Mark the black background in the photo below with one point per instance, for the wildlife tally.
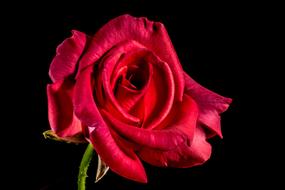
(216, 44)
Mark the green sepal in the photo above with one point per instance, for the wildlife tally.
(77, 139)
(102, 169)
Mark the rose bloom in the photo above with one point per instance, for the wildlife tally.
(124, 89)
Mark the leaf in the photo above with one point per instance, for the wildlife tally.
(77, 139)
(102, 169)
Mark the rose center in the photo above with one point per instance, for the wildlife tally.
(133, 76)
(137, 75)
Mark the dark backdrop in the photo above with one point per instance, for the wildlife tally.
(215, 46)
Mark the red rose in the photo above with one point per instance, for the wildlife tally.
(125, 90)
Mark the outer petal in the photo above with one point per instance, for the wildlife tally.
(127, 165)
(152, 35)
(180, 128)
(184, 156)
(67, 56)
(60, 109)
(159, 139)
(210, 105)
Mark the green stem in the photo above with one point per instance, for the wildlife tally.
(87, 157)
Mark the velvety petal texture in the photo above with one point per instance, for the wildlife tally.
(184, 156)
(125, 91)
(67, 56)
(125, 164)
(210, 105)
(60, 109)
(152, 35)
(188, 153)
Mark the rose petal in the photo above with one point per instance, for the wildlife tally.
(180, 128)
(210, 105)
(118, 161)
(134, 81)
(100, 136)
(60, 109)
(160, 139)
(105, 72)
(182, 157)
(157, 80)
(152, 35)
(128, 147)
(67, 56)
(159, 96)
(128, 97)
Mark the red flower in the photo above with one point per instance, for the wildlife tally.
(125, 90)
